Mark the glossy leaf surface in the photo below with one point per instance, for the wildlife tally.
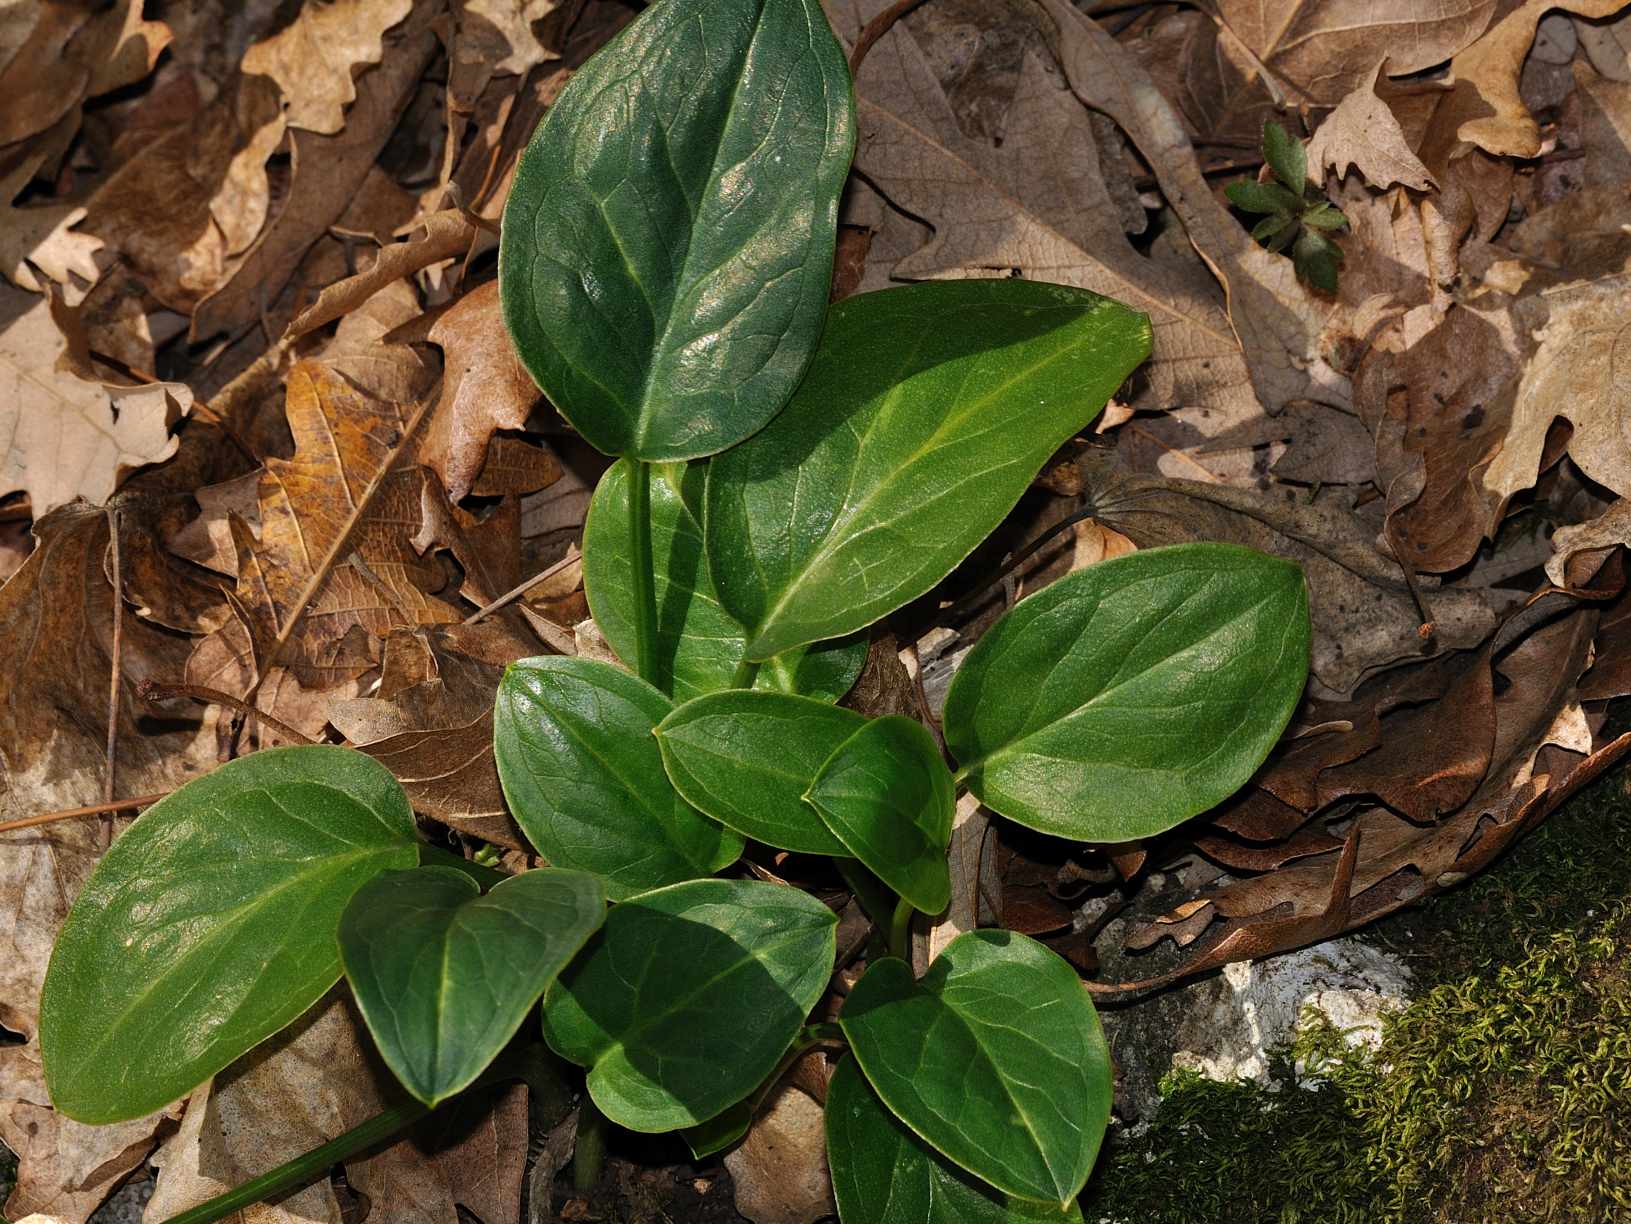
(699, 643)
(1129, 696)
(924, 417)
(686, 998)
(746, 759)
(995, 1058)
(210, 924)
(667, 247)
(884, 1174)
(585, 781)
(445, 975)
(886, 794)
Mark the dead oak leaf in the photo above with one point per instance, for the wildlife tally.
(63, 436)
(500, 38)
(40, 241)
(312, 57)
(1364, 132)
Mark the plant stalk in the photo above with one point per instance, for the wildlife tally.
(306, 1167)
(640, 559)
(590, 1151)
(747, 671)
(900, 931)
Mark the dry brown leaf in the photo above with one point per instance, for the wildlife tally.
(64, 436)
(780, 1168)
(502, 37)
(40, 240)
(312, 57)
(485, 388)
(328, 171)
(1208, 74)
(1607, 45)
(1605, 127)
(1485, 104)
(1363, 132)
(1323, 50)
(1580, 549)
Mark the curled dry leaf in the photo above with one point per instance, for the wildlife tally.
(39, 241)
(1364, 132)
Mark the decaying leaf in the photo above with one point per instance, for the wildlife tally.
(1364, 133)
(780, 1168)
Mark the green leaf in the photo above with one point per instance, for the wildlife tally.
(1325, 216)
(1268, 227)
(1255, 197)
(585, 781)
(884, 1174)
(1316, 259)
(699, 643)
(886, 794)
(667, 247)
(210, 924)
(687, 997)
(1129, 696)
(746, 759)
(445, 976)
(1286, 157)
(995, 1058)
(718, 1132)
(925, 415)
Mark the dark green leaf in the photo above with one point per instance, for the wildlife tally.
(1326, 217)
(688, 996)
(995, 1059)
(718, 1132)
(746, 759)
(210, 924)
(1316, 259)
(1255, 197)
(886, 794)
(667, 246)
(927, 412)
(1281, 240)
(584, 780)
(1268, 227)
(884, 1174)
(699, 644)
(445, 976)
(1286, 157)
(1134, 694)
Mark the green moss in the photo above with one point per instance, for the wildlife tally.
(1502, 1092)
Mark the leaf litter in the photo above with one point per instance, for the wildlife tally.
(262, 422)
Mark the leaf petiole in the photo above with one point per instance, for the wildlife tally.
(747, 671)
(640, 556)
(900, 931)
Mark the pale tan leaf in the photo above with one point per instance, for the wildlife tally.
(312, 57)
(1593, 538)
(1607, 45)
(780, 1168)
(41, 239)
(1363, 132)
(60, 437)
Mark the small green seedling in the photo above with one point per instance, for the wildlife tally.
(785, 476)
(1296, 214)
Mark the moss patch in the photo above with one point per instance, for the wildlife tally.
(1501, 1093)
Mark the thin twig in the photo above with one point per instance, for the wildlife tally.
(117, 652)
(516, 592)
(152, 690)
(315, 583)
(876, 29)
(94, 809)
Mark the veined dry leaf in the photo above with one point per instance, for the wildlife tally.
(40, 240)
(328, 171)
(1024, 206)
(1608, 45)
(66, 437)
(1323, 50)
(485, 388)
(312, 57)
(1208, 74)
(1363, 132)
(1605, 127)
(1485, 105)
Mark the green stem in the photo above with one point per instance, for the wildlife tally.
(747, 671)
(645, 585)
(304, 1168)
(900, 931)
(436, 856)
(590, 1152)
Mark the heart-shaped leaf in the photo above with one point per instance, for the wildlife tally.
(746, 759)
(687, 997)
(884, 1174)
(1129, 696)
(995, 1058)
(445, 975)
(210, 924)
(585, 781)
(667, 247)
(699, 645)
(924, 417)
(886, 794)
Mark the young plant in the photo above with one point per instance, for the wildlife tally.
(785, 476)
(1295, 213)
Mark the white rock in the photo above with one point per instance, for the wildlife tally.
(1259, 1005)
